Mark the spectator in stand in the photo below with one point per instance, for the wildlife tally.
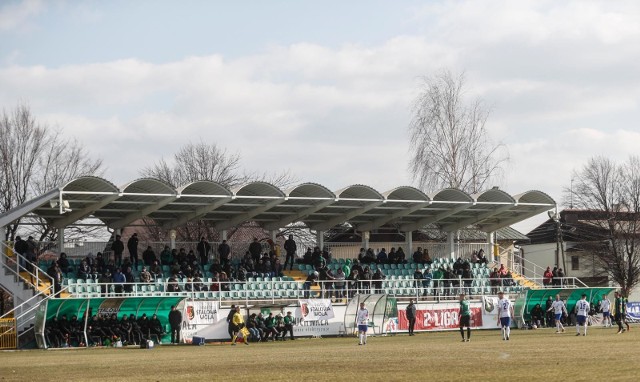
(311, 280)
(84, 270)
(326, 277)
(91, 262)
(255, 249)
(447, 279)
(426, 259)
(118, 248)
(547, 277)
(129, 279)
(132, 246)
(417, 256)
(20, 247)
(63, 263)
(482, 259)
(290, 248)
(56, 274)
(370, 257)
(561, 280)
(94, 275)
(277, 268)
(100, 263)
(346, 268)
(537, 316)
(401, 258)
(166, 258)
(458, 266)
(382, 257)
(32, 255)
(494, 281)
(339, 283)
(306, 258)
(198, 285)
(149, 256)
(467, 278)
(224, 253)
(172, 284)
(191, 257)
(393, 256)
(145, 276)
(180, 257)
(554, 279)
(365, 279)
(204, 249)
(502, 271)
(353, 283)
(361, 254)
(156, 270)
(175, 320)
(224, 282)
(438, 275)
(417, 277)
(426, 281)
(378, 278)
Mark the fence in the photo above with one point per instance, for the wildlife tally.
(8, 333)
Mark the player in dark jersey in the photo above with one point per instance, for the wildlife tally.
(620, 306)
(465, 318)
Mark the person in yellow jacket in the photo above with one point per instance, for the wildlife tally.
(239, 327)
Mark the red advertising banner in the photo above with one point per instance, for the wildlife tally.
(438, 318)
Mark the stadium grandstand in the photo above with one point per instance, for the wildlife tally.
(435, 276)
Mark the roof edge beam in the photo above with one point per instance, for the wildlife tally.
(121, 223)
(197, 213)
(19, 211)
(379, 222)
(83, 213)
(513, 220)
(432, 219)
(299, 215)
(465, 222)
(249, 214)
(345, 217)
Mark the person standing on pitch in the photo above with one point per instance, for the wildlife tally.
(620, 306)
(362, 317)
(605, 307)
(411, 316)
(558, 308)
(505, 312)
(175, 320)
(465, 318)
(582, 311)
(238, 327)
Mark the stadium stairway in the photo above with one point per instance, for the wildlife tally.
(524, 281)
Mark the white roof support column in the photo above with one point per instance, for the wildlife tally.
(60, 240)
(224, 235)
(408, 239)
(491, 241)
(451, 236)
(249, 214)
(345, 217)
(365, 239)
(320, 239)
(196, 214)
(143, 212)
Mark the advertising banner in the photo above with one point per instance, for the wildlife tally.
(316, 309)
(490, 310)
(198, 315)
(438, 317)
(633, 311)
(110, 306)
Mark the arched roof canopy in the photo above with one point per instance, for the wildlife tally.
(301, 201)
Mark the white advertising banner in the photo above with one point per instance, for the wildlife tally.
(316, 309)
(196, 316)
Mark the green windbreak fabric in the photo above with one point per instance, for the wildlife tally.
(571, 296)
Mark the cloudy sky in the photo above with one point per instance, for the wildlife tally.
(324, 88)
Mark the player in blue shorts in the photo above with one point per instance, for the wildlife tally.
(362, 318)
(505, 312)
(582, 311)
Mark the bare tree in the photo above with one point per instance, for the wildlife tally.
(203, 161)
(450, 146)
(611, 192)
(35, 159)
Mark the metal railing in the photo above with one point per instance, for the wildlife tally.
(276, 289)
(8, 333)
(561, 282)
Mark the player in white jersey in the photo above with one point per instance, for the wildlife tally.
(605, 308)
(558, 308)
(362, 317)
(582, 312)
(505, 312)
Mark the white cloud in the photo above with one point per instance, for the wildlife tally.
(17, 15)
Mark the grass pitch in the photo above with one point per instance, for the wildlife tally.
(529, 356)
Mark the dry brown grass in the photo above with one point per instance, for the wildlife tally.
(528, 356)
